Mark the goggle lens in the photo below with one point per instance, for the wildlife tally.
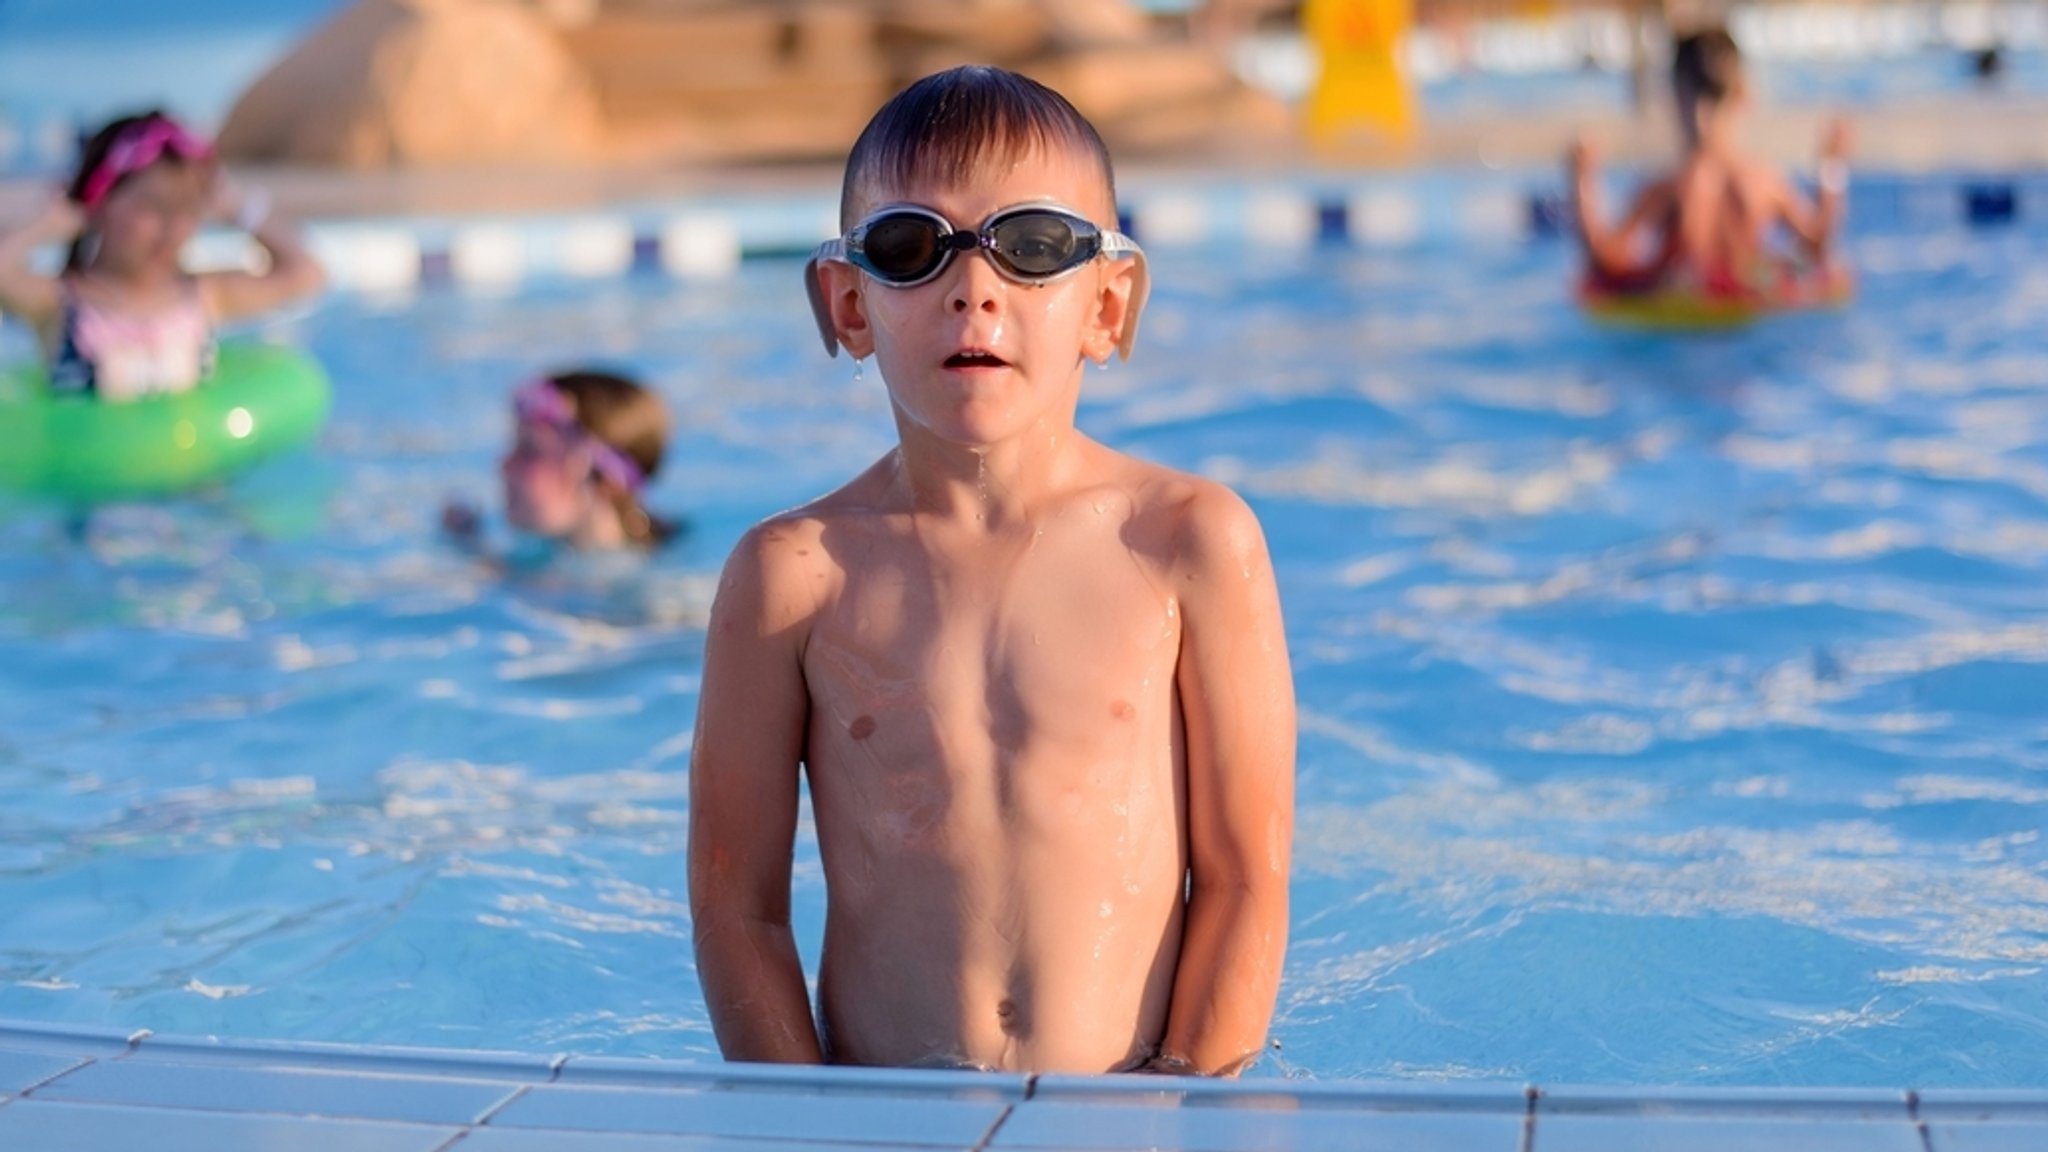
(902, 247)
(1040, 243)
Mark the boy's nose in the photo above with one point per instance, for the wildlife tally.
(976, 285)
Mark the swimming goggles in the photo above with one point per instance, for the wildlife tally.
(904, 245)
(542, 402)
(137, 147)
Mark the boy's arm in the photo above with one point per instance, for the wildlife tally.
(1815, 223)
(1612, 250)
(1237, 700)
(751, 719)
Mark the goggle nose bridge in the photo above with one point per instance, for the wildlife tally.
(965, 240)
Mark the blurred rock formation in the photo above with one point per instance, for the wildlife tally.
(391, 83)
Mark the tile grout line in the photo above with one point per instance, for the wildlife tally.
(500, 1106)
(988, 1137)
(1919, 1125)
(461, 1134)
(53, 1077)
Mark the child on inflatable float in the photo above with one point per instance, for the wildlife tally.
(124, 319)
(1708, 228)
(585, 444)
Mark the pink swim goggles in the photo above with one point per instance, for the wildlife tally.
(541, 402)
(137, 147)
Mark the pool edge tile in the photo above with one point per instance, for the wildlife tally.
(1482, 1097)
(95, 1125)
(823, 1079)
(450, 1063)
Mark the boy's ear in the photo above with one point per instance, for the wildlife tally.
(839, 307)
(1122, 299)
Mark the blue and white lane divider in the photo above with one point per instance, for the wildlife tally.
(709, 239)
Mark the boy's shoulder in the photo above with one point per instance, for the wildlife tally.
(1200, 523)
(790, 548)
(1190, 525)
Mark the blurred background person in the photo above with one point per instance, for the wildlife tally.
(123, 318)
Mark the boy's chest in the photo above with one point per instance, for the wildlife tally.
(1044, 638)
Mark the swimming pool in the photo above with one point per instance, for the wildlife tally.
(1671, 711)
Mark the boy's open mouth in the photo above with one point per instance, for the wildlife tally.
(975, 358)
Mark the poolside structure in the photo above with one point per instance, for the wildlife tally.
(78, 1088)
(396, 83)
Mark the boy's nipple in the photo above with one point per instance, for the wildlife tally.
(861, 728)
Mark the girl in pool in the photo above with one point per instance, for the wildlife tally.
(585, 445)
(123, 319)
(1710, 225)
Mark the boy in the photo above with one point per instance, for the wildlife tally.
(1711, 221)
(1039, 689)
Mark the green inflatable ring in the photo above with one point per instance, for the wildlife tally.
(261, 399)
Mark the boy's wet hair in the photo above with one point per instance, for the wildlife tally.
(1707, 65)
(632, 419)
(950, 125)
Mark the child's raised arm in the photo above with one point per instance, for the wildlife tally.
(1815, 223)
(751, 719)
(1611, 250)
(293, 273)
(1237, 699)
(25, 292)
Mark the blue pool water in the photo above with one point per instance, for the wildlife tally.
(1672, 710)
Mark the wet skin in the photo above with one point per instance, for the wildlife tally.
(1039, 692)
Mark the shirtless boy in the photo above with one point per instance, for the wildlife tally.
(1713, 220)
(1039, 689)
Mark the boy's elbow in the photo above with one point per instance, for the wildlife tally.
(1245, 883)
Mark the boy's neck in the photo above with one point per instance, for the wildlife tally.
(985, 486)
(1717, 132)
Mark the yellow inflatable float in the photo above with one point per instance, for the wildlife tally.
(1686, 307)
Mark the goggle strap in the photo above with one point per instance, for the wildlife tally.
(814, 287)
(542, 401)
